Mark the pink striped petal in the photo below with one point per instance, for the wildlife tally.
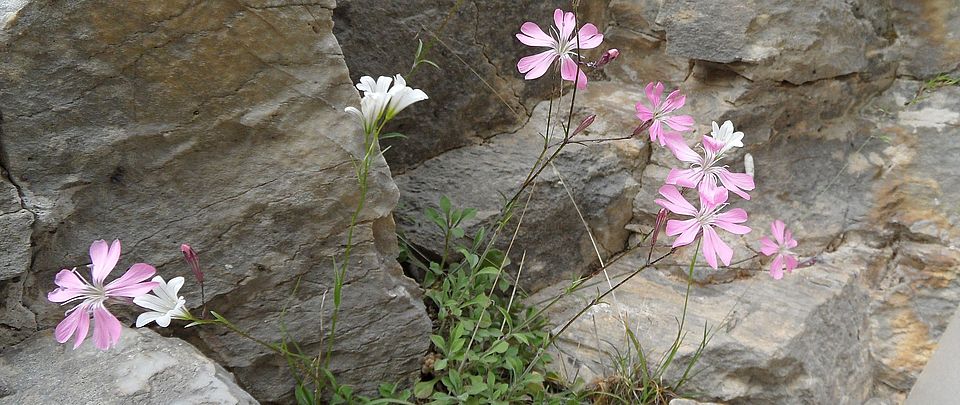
(684, 177)
(776, 267)
(531, 34)
(675, 202)
(711, 196)
(104, 259)
(767, 247)
(778, 227)
(654, 91)
(69, 325)
(688, 235)
(712, 145)
(106, 328)
(683, 152)
(536, 65)
(135, 274)
(712, 244)
(736, 182)
(643, 113)
(565, 23)
(791, 262)
(570, 71)
(674, 101)
(588, 37)
(679, 122)
(69, 287)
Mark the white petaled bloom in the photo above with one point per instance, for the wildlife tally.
(164, 304)
(381, 100)
(725, 135)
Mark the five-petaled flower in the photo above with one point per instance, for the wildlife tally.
(724, 135)
(164, 304)
(703, 221)
(562, 44)
(660, 111)
(381, 101)
(784, 257)
(705, 171)
(71, 286)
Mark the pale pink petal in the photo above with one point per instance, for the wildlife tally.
(778, 227)
(82, 328)
(132, 290)
(63, 294)
(675, 202)
(711, 196)
(70, 286)
(791, 262)
(535, 66)
(565, 23)
(679, 122)
(674, 101)
(688, 235)
(683, 152)
(684, 177)
(776, 267)
(712, 145)
(588, 37)
(653, 93)
(713, 242)
(734, 216)
(676, 226)
(736, 182)
(531, 34)
(656, 131)
(103, 262)
(69, 325)
(643, 113)
(767, 247)
(135, 274)
(570, 71)
(106, 328)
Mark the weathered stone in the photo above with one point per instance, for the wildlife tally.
(219, 124)
(142, 368)
(477, 93)
(600, 177)
(928, 34)
(16, 223)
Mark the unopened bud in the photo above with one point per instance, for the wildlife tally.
(642, 127)
(193, 260)
(748, 164)
(606, 58)
(584, 124)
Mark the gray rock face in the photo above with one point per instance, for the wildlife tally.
(219, 124)
(601, 179)
(477, 93)
(142, 368)
(928, 34)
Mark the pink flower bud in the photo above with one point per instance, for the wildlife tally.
(193, 260)
(584, 124)
(606, 58)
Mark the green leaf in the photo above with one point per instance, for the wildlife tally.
(304, 395)
(423, 389)
(440, 364)
(438, 342)
(445, 205)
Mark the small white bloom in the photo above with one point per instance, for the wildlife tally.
(725, 135)
(748, 164)
(164, 304)
(380, 100)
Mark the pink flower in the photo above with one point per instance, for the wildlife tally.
(704, 219)
(193, 260)
(659, 112)
(705, 172)
(784, 257)
(71, 286)
(561, 43)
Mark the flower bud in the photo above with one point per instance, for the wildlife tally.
(748, 164)
(606, 58)
(584, 124)
(193, 260)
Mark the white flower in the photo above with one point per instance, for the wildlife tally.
(164, 305)
(382, 101)
(724, 135)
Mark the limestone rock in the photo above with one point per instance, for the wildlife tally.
(219, 124)
(142, 368)
(477, 92)
(928, 32)
(601, 179)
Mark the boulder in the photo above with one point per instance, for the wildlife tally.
(143, 367)
(218, 124)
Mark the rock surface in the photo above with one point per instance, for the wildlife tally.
(219, 124)
(142, 368)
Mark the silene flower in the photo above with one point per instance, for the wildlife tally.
(705, 171)
(381, 101)
(93, 295)
(164, 304)
(562, 44)
(783, 257)
(724, 135)
(703, 221)
(660, 112)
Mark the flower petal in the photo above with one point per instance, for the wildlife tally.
(588, 37)
(565, 23)
(106, 328)
(776, 267)
(679, 122)
(654, 91)
(778, 227)
(685, 178)
(713, 244)
(674, 101)
(135, 274)
(688, 235)
(675, 202)
(736, 182)
(104, 259)
(69, 287)
(570, 71)
(683, 152)
(535, 66)
(767, 247)
(147, 317)
(531, 35)
(643, 113)
(69, 325)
